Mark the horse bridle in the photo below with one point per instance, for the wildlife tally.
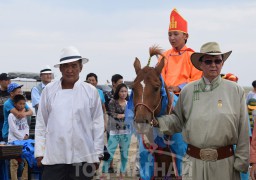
(153, 121)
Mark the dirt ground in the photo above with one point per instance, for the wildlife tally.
(131, 164)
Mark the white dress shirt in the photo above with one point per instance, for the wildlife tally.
(69, 125)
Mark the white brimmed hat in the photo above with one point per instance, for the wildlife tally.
(46, 70)
(210, 48)
(70, 54)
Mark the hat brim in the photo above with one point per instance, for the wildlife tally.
(46, 72)
(252, 107)
(19, 86)
(84, 60)
(195, 57)
(15, 88)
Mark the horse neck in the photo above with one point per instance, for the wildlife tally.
(169, 105)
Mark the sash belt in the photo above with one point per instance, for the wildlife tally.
(209, 154)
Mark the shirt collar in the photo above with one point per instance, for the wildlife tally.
(205, 83)
(175, 52)
(43, 85)
(77, 83)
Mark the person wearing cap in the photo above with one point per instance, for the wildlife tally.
(178, 69)
(212, 120)
(4, 95)
(251, 94)
(46, 77)
(13, 89)
(69, 132)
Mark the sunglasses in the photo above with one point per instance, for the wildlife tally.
(209, 62)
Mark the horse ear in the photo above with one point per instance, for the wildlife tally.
(160, 66)
(137, 65)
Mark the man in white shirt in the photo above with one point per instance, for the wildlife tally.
(46, 77)
(69, 133)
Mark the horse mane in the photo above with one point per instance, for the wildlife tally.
(155, 50)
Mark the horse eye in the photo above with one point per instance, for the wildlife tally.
(156, 88)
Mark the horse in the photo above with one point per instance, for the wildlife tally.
(149, 102)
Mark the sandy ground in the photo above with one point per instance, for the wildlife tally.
(131, 164)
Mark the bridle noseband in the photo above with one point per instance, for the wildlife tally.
(150, 110)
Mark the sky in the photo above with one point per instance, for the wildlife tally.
(111, 33)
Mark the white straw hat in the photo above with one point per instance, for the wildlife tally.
(70, 54)
(45, 70)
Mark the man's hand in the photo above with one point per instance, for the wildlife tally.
(174, 89)
(253, 172)
(39, 163)
(154, 123)
(21, 114)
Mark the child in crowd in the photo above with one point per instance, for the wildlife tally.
(13, 89)
(18, 130)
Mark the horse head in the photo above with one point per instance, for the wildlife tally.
(147, 92)
(150, 99)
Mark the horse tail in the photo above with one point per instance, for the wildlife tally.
(154, 50)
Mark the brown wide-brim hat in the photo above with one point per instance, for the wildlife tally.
(210, 48)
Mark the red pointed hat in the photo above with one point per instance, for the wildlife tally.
(177, 22)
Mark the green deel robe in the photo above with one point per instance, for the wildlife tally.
(211, 116)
